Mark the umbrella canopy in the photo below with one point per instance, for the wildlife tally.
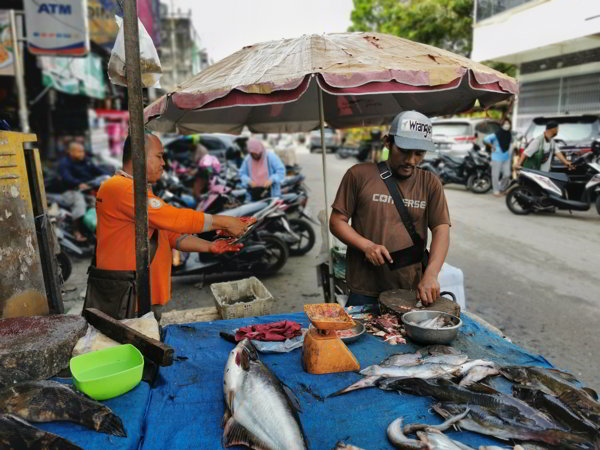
(365, 79)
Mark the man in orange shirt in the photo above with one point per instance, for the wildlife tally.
(116, 224)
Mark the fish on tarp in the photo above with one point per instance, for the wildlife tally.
(552, 406)
(439, 349)
(15, 433)
(49, 401)
(260, 411)
(582, 404)
(478, 373)
(439, 441)
(551, 381)
(501, 404)
(395, 434)
(430, 436)
(402, 359)
(484, 421)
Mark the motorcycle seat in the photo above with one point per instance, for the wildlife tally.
(556, 176)
(289, 198)
(245, 210)
(453, 160)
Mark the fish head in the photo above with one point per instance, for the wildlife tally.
(515, 373)
(236, 369)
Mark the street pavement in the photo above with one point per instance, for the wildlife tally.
(534, 277)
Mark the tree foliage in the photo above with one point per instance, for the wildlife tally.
(445, 24)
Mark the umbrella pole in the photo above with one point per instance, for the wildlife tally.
(324, 156)
(136, 131)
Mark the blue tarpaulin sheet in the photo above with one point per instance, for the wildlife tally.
(186, 405)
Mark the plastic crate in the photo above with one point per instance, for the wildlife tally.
(228, 295)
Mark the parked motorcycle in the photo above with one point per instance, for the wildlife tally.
(263, 253)
(299, 218)
(537, 191)
(473, 171)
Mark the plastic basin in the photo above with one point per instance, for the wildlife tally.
(107, 373)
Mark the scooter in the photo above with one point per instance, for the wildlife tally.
(537, 191)
(473, 171)
(263, 253)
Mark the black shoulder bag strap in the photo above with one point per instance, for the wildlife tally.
(417, 253)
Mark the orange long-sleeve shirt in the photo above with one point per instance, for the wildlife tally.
(115, 232)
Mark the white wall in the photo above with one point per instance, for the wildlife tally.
(537, 30)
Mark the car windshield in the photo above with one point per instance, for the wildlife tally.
(451, 129)
(566, 131)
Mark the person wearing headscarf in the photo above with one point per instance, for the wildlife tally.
(262, 168)
(500, 142)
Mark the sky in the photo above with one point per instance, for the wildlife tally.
(225, 26)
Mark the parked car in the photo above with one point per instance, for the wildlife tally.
(184, 147)
(574, 138)
(455, 137)
(332, 140)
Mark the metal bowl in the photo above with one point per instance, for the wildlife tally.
(430, 335)
(358, 329)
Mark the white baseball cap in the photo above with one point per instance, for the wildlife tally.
(412, 131)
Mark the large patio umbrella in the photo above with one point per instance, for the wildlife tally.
(343, 79)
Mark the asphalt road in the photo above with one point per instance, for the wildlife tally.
(534, 277)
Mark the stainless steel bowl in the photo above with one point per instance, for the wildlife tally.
(358, 330)
(430, 335)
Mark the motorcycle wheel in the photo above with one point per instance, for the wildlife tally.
(514, 204)
(307, 237)
(275, 257)
(65, 266)
(479, 184)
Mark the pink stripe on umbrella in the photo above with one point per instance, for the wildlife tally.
(378, 87)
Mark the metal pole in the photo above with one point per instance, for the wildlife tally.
(324, 155)
(136, 131)
(23, 115)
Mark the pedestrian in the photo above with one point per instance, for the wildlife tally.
(500, 143)
(170, 228)
(262, 169)
(541, 151)
(75, 172)
(385, 250)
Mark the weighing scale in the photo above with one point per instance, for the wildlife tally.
(324, 351)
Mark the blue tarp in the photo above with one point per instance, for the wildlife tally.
(186, 406)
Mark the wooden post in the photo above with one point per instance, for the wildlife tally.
(136, 132)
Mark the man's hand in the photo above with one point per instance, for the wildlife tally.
(377, 254)
(235, 226)
(83, 187)
(570, 165)
(428, 290)
(221, 246)
(268, 184)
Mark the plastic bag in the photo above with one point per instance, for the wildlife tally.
(149, 63)
(279, 346)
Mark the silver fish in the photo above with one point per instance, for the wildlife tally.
(48, 401)
(454, 360)
(414, 427)
(466, 367)
(402, 359)
(478, 373)
(397, 437)
(439, 441)
(16, 433)
(259, 412)
(423, 371)
(363, 383)
(343, 446)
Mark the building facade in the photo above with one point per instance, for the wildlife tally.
(556, 46)
(181, 52)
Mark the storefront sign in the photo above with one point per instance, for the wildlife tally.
(6, 52)
(57, 28)
(76, 76)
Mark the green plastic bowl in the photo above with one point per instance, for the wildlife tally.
(108, 373)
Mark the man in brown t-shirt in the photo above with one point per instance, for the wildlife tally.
(377, 228)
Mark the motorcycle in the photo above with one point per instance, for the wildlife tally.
(294, 206)
(263, 253)
(537, 191)
(473, 171)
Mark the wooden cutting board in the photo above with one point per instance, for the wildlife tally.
(400, 301)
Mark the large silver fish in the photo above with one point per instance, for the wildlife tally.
(18, 434)
(49, 401)
(259, 413)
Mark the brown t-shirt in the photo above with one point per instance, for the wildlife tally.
(364, 197)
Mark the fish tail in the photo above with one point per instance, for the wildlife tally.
(110, 423)
(360, 384)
